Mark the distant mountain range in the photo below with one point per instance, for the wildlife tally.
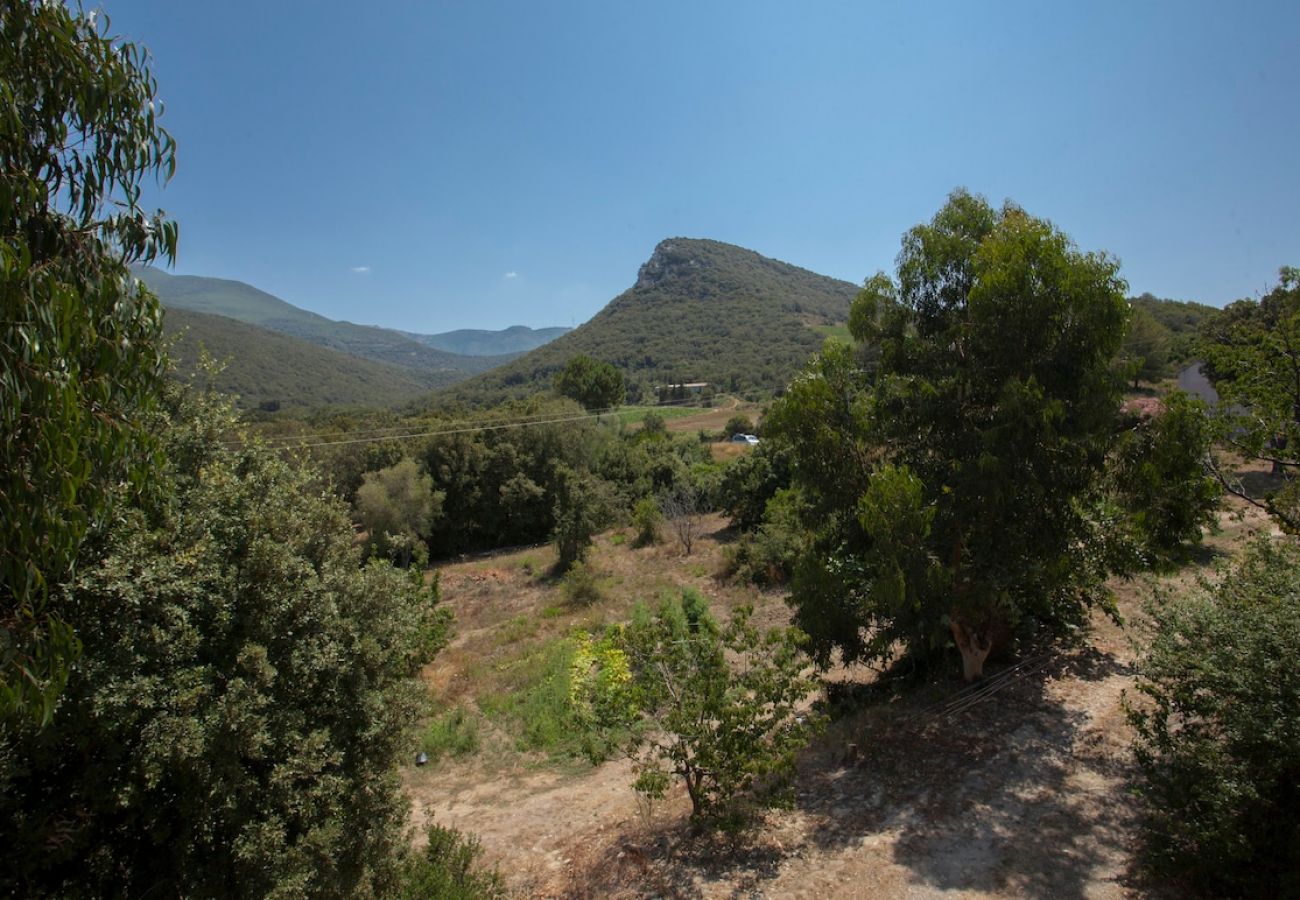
(275, 352)
(475, 342)
(700, 310)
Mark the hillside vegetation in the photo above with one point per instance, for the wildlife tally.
(245, 303)
(272, 371)
(700, 311)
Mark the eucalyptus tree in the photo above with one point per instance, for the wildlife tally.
(80, 339)
(945, 481)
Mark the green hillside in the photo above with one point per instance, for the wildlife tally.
(700, 311)
(245, 303)
(273, 371)
(477, 342)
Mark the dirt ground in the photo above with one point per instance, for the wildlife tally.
(1023, 794)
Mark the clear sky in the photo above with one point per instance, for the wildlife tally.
(438, 165)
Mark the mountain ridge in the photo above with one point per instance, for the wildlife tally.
(699, 310)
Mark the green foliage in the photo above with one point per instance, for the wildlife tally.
(1180, 320)
(446, 868)
(649, 522)
(454, 733)
(767, 555)
(944, 484)
(1252, 354)
(1145, 350)
(80, 340)
(1218, 731)
(397, 505)
(535, 703)
(738, 424)
(581, 510)
(580, 586)
(1159, 476)
(594, 384)
(700, 311)
(716, 704)
(245, 692)
(750, 481)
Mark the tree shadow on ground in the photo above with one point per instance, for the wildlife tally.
(1019, 794)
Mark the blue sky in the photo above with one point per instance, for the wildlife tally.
(431, 166)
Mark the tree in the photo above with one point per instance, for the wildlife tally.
(244, 694)
(1145, 350)
(738, 424)
(945, 487)
(397, 505)
(1252, 354)
(594, 384)
(80, 339)
(1218, 731)
(581, 509)
(714, 706)
(1158, 474)
(681, 507)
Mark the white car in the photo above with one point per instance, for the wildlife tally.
(744, 439)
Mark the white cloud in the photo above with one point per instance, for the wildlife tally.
(510, 276)
(361, 270)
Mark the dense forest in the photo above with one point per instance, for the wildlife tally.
(221, 633)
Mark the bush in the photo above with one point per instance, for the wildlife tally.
(767, 556)
(580, 585)
(711, 704)
(1218, 742)
(649, 521)
(446, 869)
(739, 424)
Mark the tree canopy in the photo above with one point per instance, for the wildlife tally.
(1252, 354)
(80, 339)
(594, 384)
(245, 690)
(944, 484)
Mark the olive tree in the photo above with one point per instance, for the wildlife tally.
(945, 484)
(80, 339)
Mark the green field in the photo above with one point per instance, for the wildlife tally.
(630, 415)
(839, 332)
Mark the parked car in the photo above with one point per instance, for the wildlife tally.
(744, 439)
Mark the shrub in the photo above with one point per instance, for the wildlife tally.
(1218, 742)
(738, 424)
(710, 704)
(580, 585)
(649, 520)
(446, 868)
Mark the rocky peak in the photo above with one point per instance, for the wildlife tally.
(671, 259)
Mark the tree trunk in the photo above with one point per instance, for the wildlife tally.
(974, 646)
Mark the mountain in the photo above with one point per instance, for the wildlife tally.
(476, 342)
(274, 371)
(245, 303)
(700, 310)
